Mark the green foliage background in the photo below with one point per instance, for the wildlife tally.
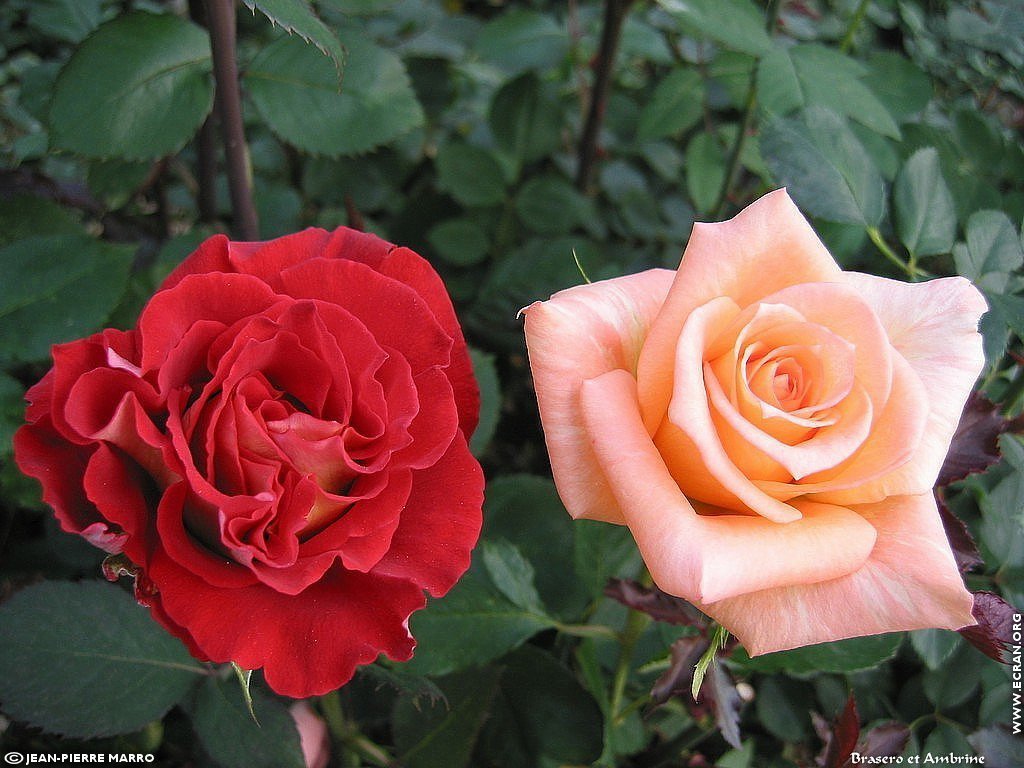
(895, 124)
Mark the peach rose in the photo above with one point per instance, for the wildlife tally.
(768, 426)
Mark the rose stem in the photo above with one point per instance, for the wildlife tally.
(636, 623)
(206, 150)
(614, 16)
(347, 735)
(876, 237)
(220, 15)
(855, 22)
(732, 169)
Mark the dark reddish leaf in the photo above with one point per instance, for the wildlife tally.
(841, 739)
(993, 633)
(676, 680)
(844, 739)
(659, 605)
(964, 549)
(975, 444)
(885, 740)
(720, 693)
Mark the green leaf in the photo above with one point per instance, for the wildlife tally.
(289, 81)
(923, 205)
(780, 89)
(12, 412)
(839, 656)
(57, 288)
(736, 24)
(471, 174)
(522, 39)
(443, 734)
(826, 169)
(84, 660)
(138, 88)
(234, 738)
(295, 16)
(471, 625)
(998, 746)
(534, 271)
(278, 207)
(705, 170)
(23, 216)
(490, 400)
(416, 688)
(115, 181)
(1010, 310)
(935, 646)
(360, 7)
(512, 574)
(525, 120)
(601, 551)
(783, 706)
(67, 20)
(898, 83)
(462, 242)
(946, 690)
(542, 710)
(813, 75)
(550, 205)
(675, 106)
(1002, 524)
(945, 740)
(526, 511)
(993, 250)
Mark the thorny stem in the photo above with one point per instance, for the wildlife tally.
(858, 17)
(220, 15)
(749, 108)
(611, 31)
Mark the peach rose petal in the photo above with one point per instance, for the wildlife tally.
(892, 442)
(578, 334)
(708, 558)
(845, 313)
(910, 581)
(689, 412)
(766, 247)
(934, 327)
(826, 449)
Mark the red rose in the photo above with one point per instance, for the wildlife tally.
(279, 447)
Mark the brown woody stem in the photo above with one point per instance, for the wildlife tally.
(220, 16)
(614, 15)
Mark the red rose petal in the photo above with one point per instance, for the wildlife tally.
(171, 313)
(364, 247)
(435, 425)
(306, 645)
(394, 313)
(210, 256)
(415, 271)
(268, 260)
(42, 453)
(440, 524)
(179, 545)
(118, 489)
